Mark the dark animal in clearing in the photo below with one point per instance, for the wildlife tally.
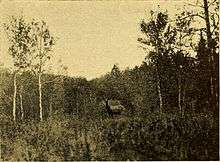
(111, 112)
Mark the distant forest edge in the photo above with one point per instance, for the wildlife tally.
(167, 107)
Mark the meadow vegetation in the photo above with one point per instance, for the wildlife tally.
(169, 105)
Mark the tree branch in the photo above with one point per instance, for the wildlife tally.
(194, 15)
(214, 23)
(194, 5)
(212, 3)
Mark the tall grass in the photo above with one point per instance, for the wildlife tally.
(153, 137)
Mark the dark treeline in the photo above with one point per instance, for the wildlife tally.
(167, 108)
(78, 96)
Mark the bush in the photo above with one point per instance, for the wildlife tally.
(159, 137)
(52, 139)
(155, 137)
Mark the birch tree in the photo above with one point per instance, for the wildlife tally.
(21, 101)
(181, 57)
(44, 42)
(157, 36)
(20, 48)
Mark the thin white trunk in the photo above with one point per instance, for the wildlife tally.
(158, 79)
(159, 92)
(40, 96)
(39, 76)
(14, 97)
(21, 105)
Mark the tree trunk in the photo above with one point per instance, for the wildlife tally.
(40, 96)
(21, 103)
(14, 96)
(214, 97)
(158, 75)
(159, 91)
(181, 92)
(211, 57)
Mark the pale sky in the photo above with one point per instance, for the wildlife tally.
(93, 36)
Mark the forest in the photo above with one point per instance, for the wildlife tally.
(166, 108)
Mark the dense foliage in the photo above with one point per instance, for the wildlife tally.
(156, 137)
(170, 106)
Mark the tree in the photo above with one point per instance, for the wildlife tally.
(158, 35)
(203, 82)
(21, 101)
(6, 89)
(20, 48)
(209, 14)
(115, 72)
(54, 88)
(212, 51)
(43, 42)
(181, 56)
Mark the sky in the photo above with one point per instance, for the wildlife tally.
(92, 36)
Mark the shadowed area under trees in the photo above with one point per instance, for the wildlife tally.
(167, 108)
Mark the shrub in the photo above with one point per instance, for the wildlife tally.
(159, 137)
(155, 137)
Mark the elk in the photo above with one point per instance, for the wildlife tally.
(113, 110)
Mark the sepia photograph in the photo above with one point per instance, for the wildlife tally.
(109, 80)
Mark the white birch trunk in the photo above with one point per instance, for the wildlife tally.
(39, 77)
(21, 105)
(40, 96)
(159, 92)
(159, 81)
(14, 96)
